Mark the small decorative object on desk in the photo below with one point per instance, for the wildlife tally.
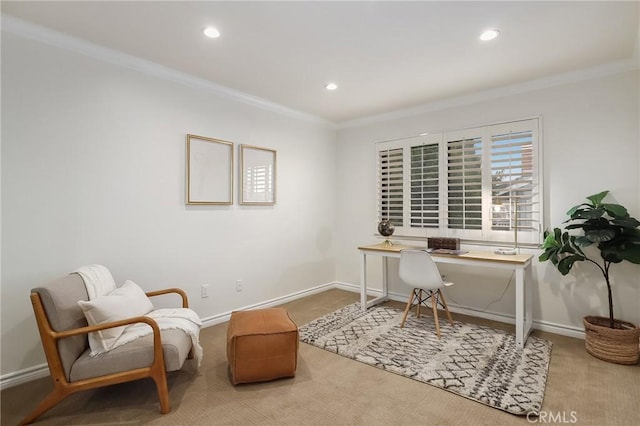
(386, 228)
(443, 243)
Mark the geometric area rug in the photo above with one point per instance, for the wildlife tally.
(476, 362)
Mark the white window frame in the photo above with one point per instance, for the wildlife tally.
(486, 234)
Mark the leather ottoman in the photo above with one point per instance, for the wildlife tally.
(262, 345)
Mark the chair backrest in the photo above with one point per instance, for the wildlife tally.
(418, 270)
(59, 302)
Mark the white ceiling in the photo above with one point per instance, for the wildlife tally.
(384, 56)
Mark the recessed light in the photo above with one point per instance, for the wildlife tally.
(489, 35)
(211, 32)
(331, 86)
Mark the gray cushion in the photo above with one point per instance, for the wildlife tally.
(176, 345)
(59, 299)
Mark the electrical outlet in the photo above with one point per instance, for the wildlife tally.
(204, 291)
(239, 285)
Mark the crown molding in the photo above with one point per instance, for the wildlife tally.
(31, 31)
(500, 92)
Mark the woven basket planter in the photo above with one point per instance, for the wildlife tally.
(617, 345)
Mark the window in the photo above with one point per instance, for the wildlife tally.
(390, 184)
(464, 183)
(478, 184)
(425, 191)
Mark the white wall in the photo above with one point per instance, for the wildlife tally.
(591, 143)
(93, 171)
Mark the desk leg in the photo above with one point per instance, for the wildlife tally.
(385, 282)
(364, 301)
(528, 302)
(363, 282)
(520, 308)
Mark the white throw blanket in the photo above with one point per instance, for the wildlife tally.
(168, 319)
(97, 279)
(99, 282)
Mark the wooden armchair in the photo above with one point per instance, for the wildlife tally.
(64, 334)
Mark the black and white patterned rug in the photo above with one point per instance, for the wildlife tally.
(477, 362)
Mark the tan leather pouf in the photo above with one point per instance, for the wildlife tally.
(262, 345)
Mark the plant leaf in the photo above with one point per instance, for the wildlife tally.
(573, 209)
(631, 234)
(575, 226)
(544, 256)
(600, 234)
(550, 242)
(613, 254)
(626, 222)
(632, 253)
(596, 199)
(565, 265)
(588, 213)
(583, 241)
(615, 210)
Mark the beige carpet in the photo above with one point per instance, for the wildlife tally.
(332, 390)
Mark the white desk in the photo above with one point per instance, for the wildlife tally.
(520, 263)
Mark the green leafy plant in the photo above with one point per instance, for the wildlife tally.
(608, 225)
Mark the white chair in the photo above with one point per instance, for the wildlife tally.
(419, 271)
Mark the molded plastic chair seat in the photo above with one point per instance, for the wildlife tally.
(419, 271)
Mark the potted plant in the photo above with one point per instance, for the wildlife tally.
(617, 236)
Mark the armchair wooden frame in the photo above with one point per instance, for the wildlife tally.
(63, 388)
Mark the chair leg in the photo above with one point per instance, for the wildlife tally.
(434, 306)
(163, 391)
(419, 296)
(406, 310)
(446, 308)
(45, 405)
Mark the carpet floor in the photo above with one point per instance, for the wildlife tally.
(477, 362)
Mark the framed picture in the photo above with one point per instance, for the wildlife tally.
(209, 171)
(258, 176)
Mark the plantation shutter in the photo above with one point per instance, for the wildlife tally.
(514, 179)
(425, 202)
(390, 186)
(464, 180)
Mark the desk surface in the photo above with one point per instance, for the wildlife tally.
(487, 256)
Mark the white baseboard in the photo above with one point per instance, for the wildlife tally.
(356, 289)
(223, 317)
(42, 370)
(563, 330)
(23, 376)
